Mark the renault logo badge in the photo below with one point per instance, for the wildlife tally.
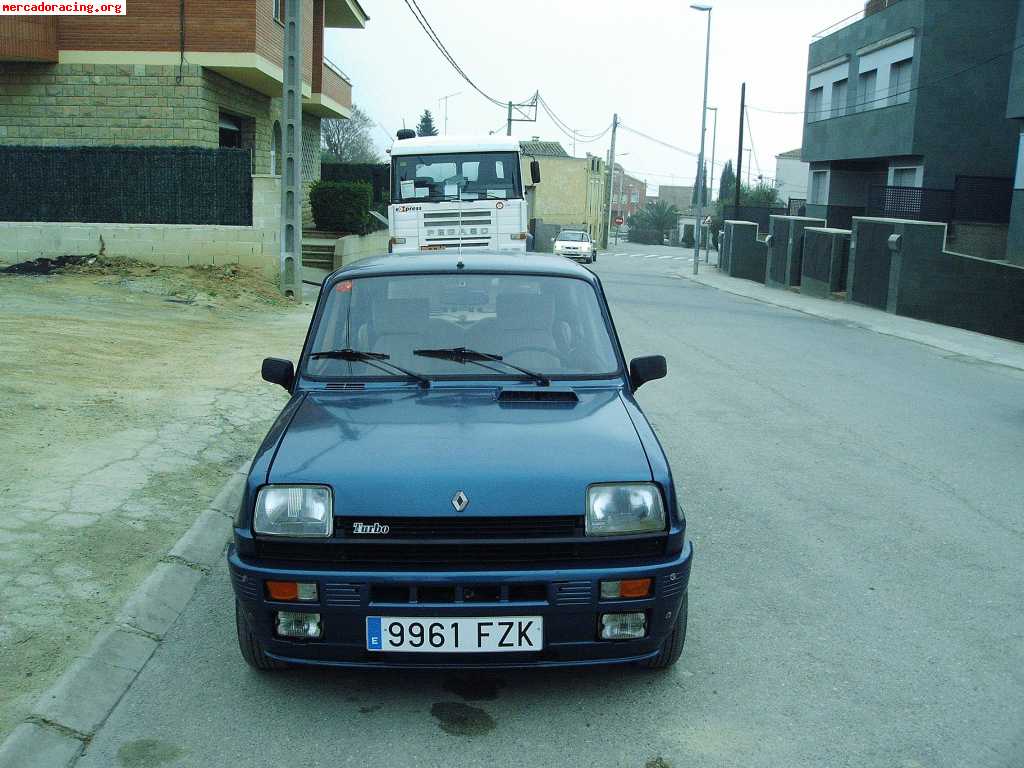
(460, 501)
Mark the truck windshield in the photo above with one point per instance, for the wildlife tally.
(455, 176)
(551, 326)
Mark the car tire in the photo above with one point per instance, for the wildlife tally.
(251, 648)
(672, 648)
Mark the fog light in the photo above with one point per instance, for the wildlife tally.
(302, 625)
(623, 626)
(627, 588)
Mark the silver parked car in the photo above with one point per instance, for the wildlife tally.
(575, 244)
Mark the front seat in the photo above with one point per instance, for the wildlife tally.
(524, 326)
(398, 327)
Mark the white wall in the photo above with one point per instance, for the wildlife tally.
(791, 175)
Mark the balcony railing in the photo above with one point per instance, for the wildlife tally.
(335, 85)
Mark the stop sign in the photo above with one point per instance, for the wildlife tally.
(619, 221)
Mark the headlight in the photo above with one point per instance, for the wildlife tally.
(297, 510)
(620, 508)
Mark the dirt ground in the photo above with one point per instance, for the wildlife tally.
(128, 394)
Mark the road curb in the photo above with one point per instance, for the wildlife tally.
(1003, 352)
(67, 714)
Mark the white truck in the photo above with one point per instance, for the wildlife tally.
(450, 193)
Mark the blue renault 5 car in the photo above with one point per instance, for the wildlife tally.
(461, 478)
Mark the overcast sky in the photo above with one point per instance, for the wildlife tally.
(588, 59)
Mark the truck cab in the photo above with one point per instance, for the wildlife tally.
(458, 194)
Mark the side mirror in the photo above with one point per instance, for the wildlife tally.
(278, 371)
(644, 369)
(535, 171)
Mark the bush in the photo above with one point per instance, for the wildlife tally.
(341, 206)
(645, 236)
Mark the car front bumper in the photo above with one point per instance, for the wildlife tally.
(568, 599)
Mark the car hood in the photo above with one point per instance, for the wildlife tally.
(403, 452)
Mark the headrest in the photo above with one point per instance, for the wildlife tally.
(525, 311)
(400, 315)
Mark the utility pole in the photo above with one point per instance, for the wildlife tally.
(701, 172)
(611, 179)
(509, 131)
(739, 151)
(291, 140)
(711, 187)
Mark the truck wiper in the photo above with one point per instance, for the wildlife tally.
(463, 355)
(376, 359)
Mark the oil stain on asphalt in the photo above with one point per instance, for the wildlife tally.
(462, 719)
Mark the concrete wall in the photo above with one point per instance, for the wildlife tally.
(165, 244)
(826, 257)
(784, 263)
(354, 247)
(747, 255)
(869, 279)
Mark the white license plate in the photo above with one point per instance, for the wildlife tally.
(447, 634)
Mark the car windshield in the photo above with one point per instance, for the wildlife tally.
(581, 236)
(462, 175)
(550, 325)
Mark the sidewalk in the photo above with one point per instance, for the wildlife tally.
(988, 349)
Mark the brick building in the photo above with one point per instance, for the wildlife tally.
(196, 73)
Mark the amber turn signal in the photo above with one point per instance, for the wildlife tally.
(635, 588)
(283, 590)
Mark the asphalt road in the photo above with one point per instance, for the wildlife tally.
(856, 505)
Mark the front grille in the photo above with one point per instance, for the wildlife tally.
(474, 554)
(342, 595)
(421, 594)
(573, 593)
(564, 526)
(473, 228)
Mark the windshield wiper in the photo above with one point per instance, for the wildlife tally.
(376, 359)
(463, 355)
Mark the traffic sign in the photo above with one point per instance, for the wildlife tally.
(619, 221)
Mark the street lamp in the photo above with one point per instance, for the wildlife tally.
(703, 127)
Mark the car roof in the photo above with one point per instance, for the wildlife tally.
(447, 263)
(576, 231)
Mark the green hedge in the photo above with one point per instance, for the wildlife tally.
(645, 236)
(341, 206)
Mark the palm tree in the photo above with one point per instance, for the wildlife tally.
(659, 217)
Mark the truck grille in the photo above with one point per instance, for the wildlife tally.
(444, 227)
(463, 527)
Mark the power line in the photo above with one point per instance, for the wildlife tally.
(917, 87)
(753, 149)
(665, 143)
(420, 17)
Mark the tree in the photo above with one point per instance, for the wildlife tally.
(349, 141)
(727, 182)
(702, 179)
(659, 217)
(426, 126)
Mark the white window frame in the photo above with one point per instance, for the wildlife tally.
(881, 56)
(918, 175)
(839, 105)
(812, 198)
(824, 78)
(867, 100)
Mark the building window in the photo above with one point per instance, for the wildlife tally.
(230, 130)
(839, 98)
(819, 188)
(905, 177)
(866, 90)
(814, 100)
(279, 10)
(899, 81)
